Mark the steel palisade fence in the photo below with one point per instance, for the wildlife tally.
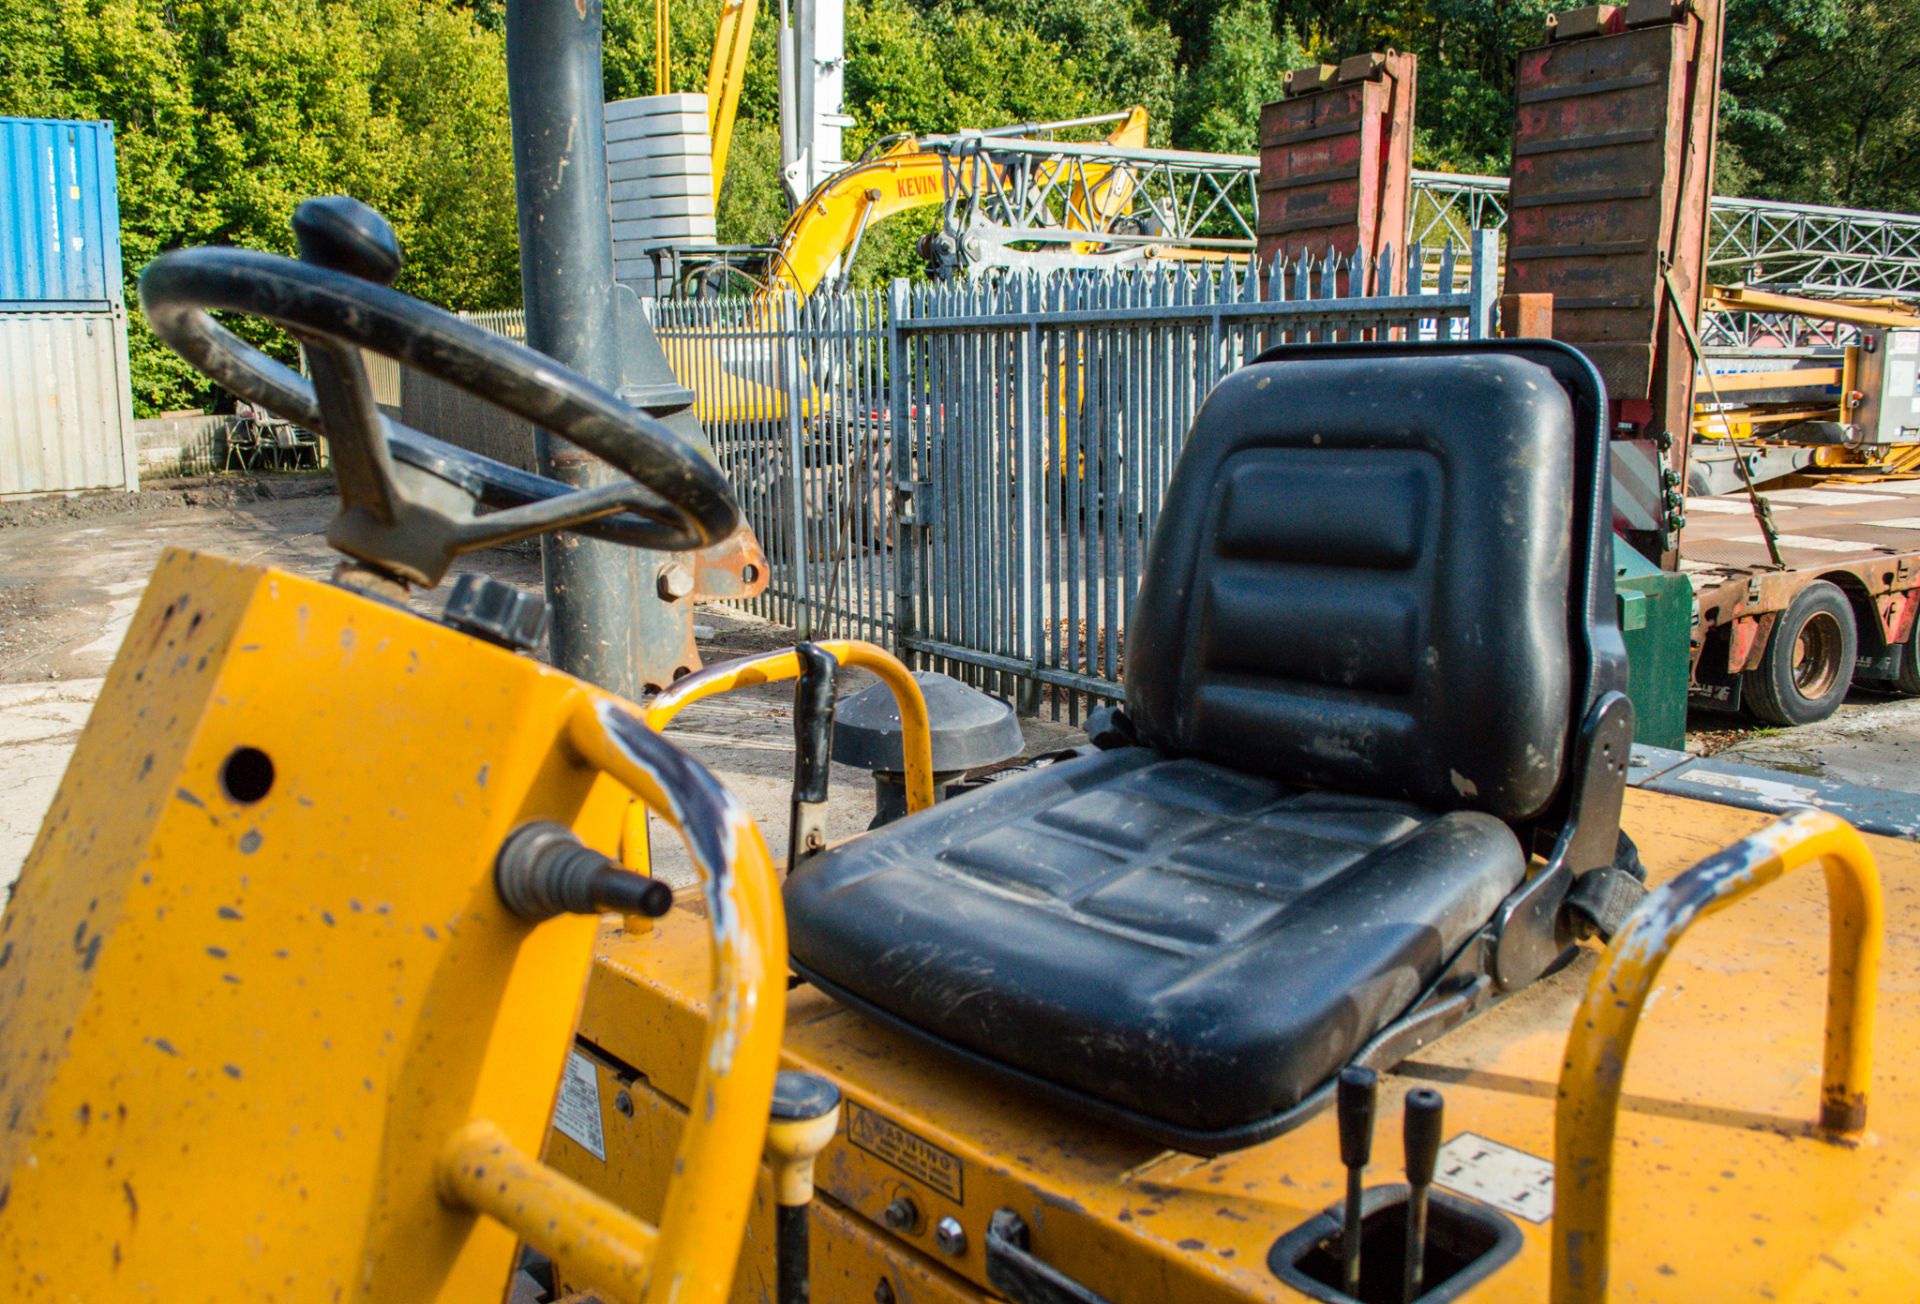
(970, 473)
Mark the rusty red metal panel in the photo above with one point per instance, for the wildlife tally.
(1526, 316)
(1613, 148)
(1336, 159)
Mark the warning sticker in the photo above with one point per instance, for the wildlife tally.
(913, 1155)
(1510, 1180)
(577, 1115)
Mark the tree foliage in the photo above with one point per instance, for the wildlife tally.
(228, 112)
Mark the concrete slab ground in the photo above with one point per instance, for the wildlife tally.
(1872, 743)
(70, 582)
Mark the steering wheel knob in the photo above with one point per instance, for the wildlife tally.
(340, 232)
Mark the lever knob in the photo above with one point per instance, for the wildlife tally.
(498, 612)
(543, 871)
(1354, 1100)
(1422, 1134)
(340, 232)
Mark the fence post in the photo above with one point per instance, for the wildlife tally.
(1029, 460)
(796, 385)
(1483, 285)
(906, 539)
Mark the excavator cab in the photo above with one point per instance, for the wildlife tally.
(1367, 782)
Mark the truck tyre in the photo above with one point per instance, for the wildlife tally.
(1808, 666)
(1908, 680)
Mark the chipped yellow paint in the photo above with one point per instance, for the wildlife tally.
(784, 664)
(241, 1016)
(1726, 1187)
(1601, 1037)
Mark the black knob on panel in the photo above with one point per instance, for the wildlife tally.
(498, 612)
(1354, 1099)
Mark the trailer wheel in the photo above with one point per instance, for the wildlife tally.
(1908, 680)
(1808, 665)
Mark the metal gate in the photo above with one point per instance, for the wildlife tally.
(971, 472)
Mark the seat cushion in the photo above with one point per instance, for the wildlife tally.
(1359, 580)
(1168, 937)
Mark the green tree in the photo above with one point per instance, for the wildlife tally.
(1246, 67)
(229, 112)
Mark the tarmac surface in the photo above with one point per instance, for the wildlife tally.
(72, 573)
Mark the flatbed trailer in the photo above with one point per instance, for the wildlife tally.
(1788, 640)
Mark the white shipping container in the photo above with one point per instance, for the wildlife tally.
(66, 403)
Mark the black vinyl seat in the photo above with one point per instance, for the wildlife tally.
(1372, 665)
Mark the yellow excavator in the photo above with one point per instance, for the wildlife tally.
(897, 174)
(737, 373)
(336, 972)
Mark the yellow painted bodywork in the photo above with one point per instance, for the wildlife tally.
(779, 666)
(916, 737)
(1625, 979)
(242, 1031)
(288, 1045)
(1725, 1187)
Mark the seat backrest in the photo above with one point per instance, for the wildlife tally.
(1365, 576)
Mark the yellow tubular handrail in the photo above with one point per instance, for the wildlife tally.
(773, 667)
(690, 1258)
(1594, 1070)
(603, 1246)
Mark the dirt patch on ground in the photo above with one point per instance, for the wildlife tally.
(161, 496)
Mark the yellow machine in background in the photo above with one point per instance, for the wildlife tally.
(332, 909)
(901, 174)
(737, 369)
(1829, 406)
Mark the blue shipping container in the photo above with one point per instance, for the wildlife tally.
(59, 216)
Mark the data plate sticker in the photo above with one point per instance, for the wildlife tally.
(577, 1116)
(1510, 1180)
(913, 1155)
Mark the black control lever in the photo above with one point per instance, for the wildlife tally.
(1422, 1127)
(1354, 1100)
(544, 870)
(813, 703)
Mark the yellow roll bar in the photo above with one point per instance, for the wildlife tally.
(773, 667)
(1594, 1070)
(690, 1257)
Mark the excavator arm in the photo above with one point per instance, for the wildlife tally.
(827, 229)
(724, 74)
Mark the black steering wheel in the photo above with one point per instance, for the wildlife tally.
(407, 500)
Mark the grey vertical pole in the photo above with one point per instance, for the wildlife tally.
(902, 508)
(1030, 459)
(554, 95)
(1484, 284)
